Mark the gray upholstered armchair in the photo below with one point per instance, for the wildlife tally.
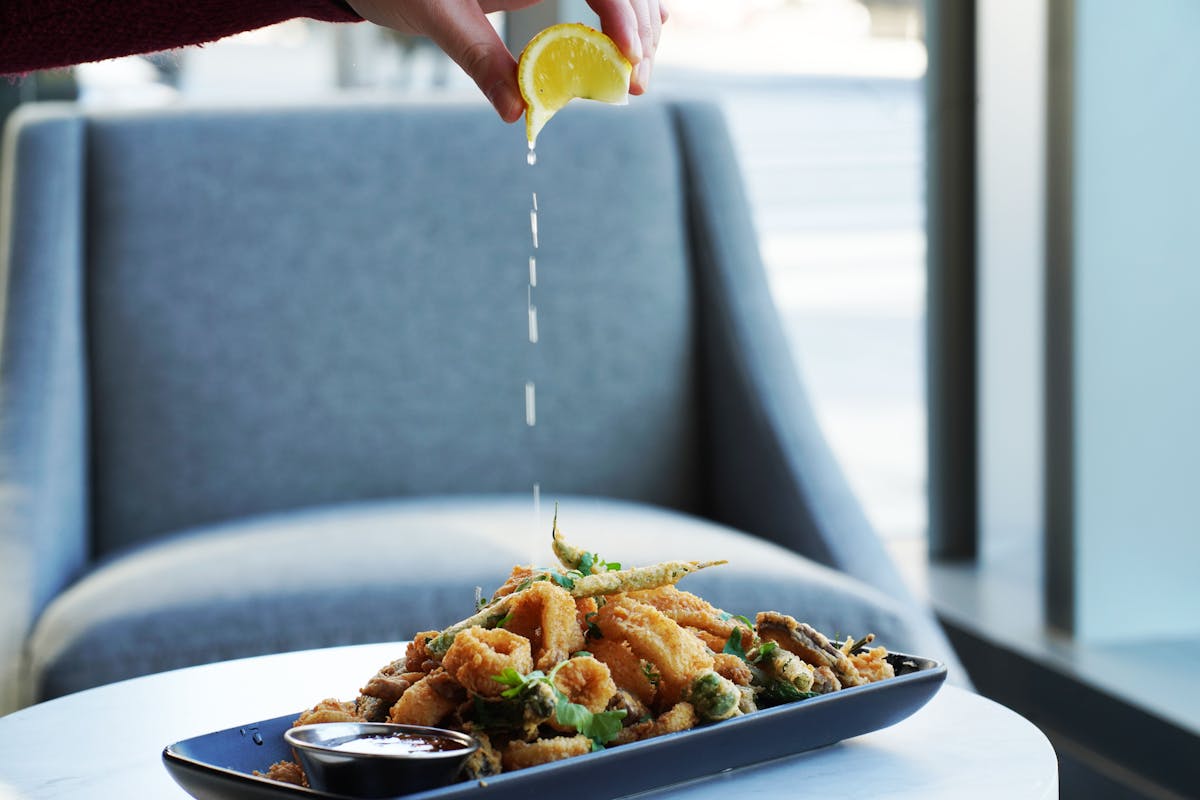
(264, 375)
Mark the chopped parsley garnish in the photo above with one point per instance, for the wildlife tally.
(600, 727)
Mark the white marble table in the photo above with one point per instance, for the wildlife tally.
(959, 745)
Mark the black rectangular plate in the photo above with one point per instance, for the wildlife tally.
(220, 765)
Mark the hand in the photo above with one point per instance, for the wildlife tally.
(460, 28)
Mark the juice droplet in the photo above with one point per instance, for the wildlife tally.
(530, 405)
(535, 201)
(532, 271)
(533, 330)
(537, 502)
(533, 227)
(531, 156)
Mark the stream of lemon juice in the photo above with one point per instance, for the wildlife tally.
(531, 307)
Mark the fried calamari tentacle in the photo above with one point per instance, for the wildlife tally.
(329, 710)
(518, 755)
(545, 614)
(680, 717)
(812, 646)
(479, 654)
(676, 656)
(428, 701)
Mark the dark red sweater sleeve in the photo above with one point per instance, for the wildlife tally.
(39, 34)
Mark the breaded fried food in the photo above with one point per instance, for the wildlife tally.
(484, 762)
(428, 701)
(518, 755)
(691, 611)
(545, 614)
(731, 667)
(680, 717)
(391, 681)
(479, 654)
(676, 655)
(628, 671)
(586, 681)
(808, 643)
(417, 657)
(329, 710)
(873, 664)
(285, 772)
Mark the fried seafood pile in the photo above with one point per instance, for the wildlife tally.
(561, 662)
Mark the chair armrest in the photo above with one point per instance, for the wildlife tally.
(43, 441)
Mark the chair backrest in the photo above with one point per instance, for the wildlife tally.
(297, 307)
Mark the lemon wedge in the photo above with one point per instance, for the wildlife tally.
(568, 61)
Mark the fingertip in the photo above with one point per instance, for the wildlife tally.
(507, 101)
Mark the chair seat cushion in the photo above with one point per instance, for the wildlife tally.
(383, 571)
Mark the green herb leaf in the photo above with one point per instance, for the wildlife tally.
(562, 580)
(612, 566)
(650, 673)
(586, 562)
(733, 646)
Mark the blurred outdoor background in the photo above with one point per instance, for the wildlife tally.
(825, 102)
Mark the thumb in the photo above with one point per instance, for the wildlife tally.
(466, 35)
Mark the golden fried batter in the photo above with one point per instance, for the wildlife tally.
(477, 654)
(428, 701)
(626, 669)
(676, 655)
(285, 772)
(417, 656)
(329, 710)
(873, 664)
(545, 615)
(692, 611)
(733, 668)
(586, 681)
(680, 717)
(518, 755)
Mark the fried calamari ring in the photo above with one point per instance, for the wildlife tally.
(586, 681)
(518, 755)
(479, 654)
(329, 710)
(680, 717)
(676, 655)
(628, 671)
(545, 615)
(428, 701)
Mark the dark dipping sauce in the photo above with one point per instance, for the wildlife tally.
(397, 744)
